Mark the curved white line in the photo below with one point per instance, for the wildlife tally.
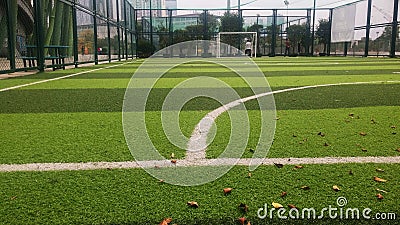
(197, 146)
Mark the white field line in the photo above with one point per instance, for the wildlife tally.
(197, 146)
(59, 78)
(185, 163)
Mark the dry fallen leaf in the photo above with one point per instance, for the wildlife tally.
(363, 133)
(13, 198)
(351, 172)
(321, 134)
(172, 155)
(251, 150)
(298, 167)
(351, 114)
(364, 150)
(377, 179)
(249, 175)
(243, 207)
(292, 206)
(283, 194)
(248, 223)
(305, 187)
(227, 190)
(393, 127)
(279, 165)
(398, 149)
(173, 161)
(335, 188)
(379, 196)
(161, 181)
(193, 204)
(166, 221)
(277, 205)
(242, 220)
(380, 190)
(380, 170)
(326, 144)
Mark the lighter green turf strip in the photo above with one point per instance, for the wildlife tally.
(134, 197)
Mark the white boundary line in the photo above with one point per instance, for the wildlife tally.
(185, 163)
(59, 78)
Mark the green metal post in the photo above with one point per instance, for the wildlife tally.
(313, 30)
(170, 28)
(96, 55)
(75, 34)
(118, 30)
(108, 30)
(151, 25)
(126, 30)
(11, 32)
(309, 30)
(40, 35)
(136, 32)
(368, 28)
(394, 29)
(273, 39)
(328, 51)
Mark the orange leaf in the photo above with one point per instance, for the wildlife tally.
(283, 194)
(292, 206)
(166, 221)
(298, 167)
(377, 179)
(173, 161)
(228, 190)
(193, 204)
(379, 196)
(248, 223)
(335, 188)
(242, 220)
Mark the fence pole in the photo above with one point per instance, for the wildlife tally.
(11, 32)
(118, 30)
(125, 29)
(368, 28)
(75, 34)
(328, 51)
(273, 40)
(394, 29)
(96, 55)
(108, 30)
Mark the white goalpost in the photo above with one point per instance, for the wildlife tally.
(253, 38)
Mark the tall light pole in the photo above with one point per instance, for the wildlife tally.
(313, 29)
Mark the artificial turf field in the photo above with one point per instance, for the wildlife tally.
(78, 119)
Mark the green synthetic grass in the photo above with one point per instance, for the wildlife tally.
(79, 119)
(134, 197)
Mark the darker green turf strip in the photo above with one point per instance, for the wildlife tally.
(134, 197)
(111, 100)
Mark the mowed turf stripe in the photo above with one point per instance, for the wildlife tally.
(111, 100)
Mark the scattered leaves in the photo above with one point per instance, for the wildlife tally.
(377, 179)
(243, 207)
(279, 165)
(336, 188)
(283, 194)
(193, 204)
(379, 196)
(227, 190)
(380, 190)
(305, 187)
(292, 206)
(298, 167)
(166, 221)
(363, 133)
(242, 220)
(277, 205)
(380, 170)
(173, 161)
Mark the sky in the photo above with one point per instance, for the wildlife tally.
(267, 4)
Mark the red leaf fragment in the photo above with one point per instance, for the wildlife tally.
(242, 220)
(379, 196)
(166, 221)
(227, 190)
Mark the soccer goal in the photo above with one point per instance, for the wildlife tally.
(236, 43)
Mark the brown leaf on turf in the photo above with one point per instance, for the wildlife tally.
(326, 144)
(166, 221)
(249, 175)
(321, 134)
(398, 149)
(393, 127)
(335, 188)
(364, 150)
(351, 114)
(13, 198)
(173, 161)
(283, 194)
(251, 150)
(292, 206)
(277, 205)
(172, 155)
(298, 167)
(244, 207)
(279, 165)
(161, 181)
(294, 135)
(363, 133)
(193, 204)
(377, 179)
(242, 220)
(227, 190)
(305, 187)
(379, 196)
(351, 172)
(380, 170)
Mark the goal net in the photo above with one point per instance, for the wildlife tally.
(236, 44)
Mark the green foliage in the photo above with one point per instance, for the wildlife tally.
(323, 32)
(298, 36)
(145, 49)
